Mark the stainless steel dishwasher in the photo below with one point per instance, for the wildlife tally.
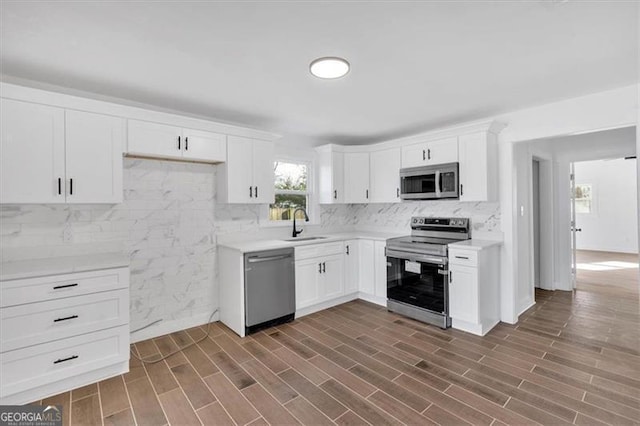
(269, 288)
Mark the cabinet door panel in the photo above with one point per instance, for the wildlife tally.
(463, 293)
(32, 148)
(356, 177)
(238, 170)
(332, 277)
(307, 277)
(351, 266)
(154, 140)
(204, 146)
(380, 269)
(367, 275)
(473, 167)
(263, 177)
(414, 155)
(442, 151)
(337, 177)
(94, 157)
(385, 176)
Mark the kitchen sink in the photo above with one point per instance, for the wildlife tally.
(305, 239)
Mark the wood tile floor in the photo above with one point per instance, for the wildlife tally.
(574, 358)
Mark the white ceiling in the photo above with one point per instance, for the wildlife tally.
(415, 65)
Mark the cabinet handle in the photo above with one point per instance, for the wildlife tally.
(59, 186)
(450, 276)
(335, 194)
(367, 194)
(397, 192)
(186, 143)
(347, 250)
(71, 186)
(324, 267)
(461, 189)
(65, 318)
(58, 361)
(251, 192)
(319, 268)
(462, 257)
(58, 287)
(256, 192)
(178, 143)
(429, 154)
(424, 155)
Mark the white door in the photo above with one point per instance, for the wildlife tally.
(414, 155)
(356, 177)
(307, 276)
(574, 229)
(332, 277)
(337, 177)
(204, 146)
(155, 140)
(380, 269)
(351, 266)
(367, 266)
(239, 170)
(463, 293)
(263, 173)
(385, 176)
(442, 151)
(473, 167)
(32, 153)
(93, 157)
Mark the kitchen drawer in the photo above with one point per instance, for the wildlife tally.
(17, 292)
(39, 365)
(317, 250)
(463, 257)
(35, 323)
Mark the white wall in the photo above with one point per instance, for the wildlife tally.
(612, 224)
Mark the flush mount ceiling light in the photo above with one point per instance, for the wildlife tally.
(329, 67)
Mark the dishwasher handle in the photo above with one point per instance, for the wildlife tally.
(267, 259)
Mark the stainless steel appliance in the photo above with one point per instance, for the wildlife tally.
(429, 182)
(418, 269)
(269, 288)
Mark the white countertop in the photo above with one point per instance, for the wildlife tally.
(269, 244)
(61, 265)
(474, 244)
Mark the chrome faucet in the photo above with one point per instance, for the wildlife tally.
(306, 219)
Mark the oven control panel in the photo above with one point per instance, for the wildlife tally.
(417, 222)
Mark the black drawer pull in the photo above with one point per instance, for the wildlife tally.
(58, 361)
(65, 286)
(462, 257)
(65, 318)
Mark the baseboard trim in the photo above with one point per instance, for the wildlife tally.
(171, 326)
(326, 304)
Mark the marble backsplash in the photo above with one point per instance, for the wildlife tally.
(165, 225)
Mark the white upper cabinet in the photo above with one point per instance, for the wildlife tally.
(478, 167)
(32, 147)
(247, 175)
(433, 152)
(93, 157)
(356, 177)
(331, 175)
(50, 155)
(385, 176)
(204, 146)
(148, 139)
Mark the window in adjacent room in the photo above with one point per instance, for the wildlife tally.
(583, 198)
(292, 189)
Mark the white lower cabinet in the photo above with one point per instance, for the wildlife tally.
(351, 266)
(319, 276)
(474, 293)
(62, 332)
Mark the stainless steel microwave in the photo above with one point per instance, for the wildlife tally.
(429, 182)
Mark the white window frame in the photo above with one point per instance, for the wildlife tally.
(312, 204)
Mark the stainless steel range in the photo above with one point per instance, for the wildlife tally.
(418, 269)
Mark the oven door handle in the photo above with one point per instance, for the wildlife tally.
(415, 257)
